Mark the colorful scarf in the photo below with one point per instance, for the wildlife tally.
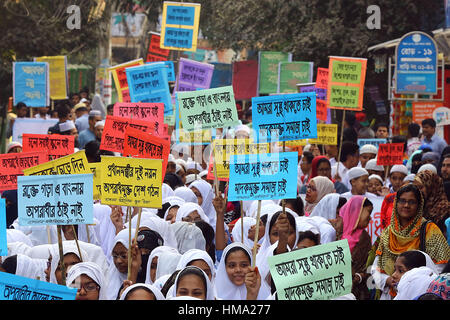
(351, 213)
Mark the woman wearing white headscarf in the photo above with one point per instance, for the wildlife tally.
(91, 270)
(69, 248)
(251, 211)
(14, 235)
(31, 268)
(167, 263)
(171, 211)
(414, 283)
(187, 208)
(193, 255)
(167, 191)
(327, 206)
(153, 261)
(318, 187)
(205, 195)
(179, 290)
(126, 294)
(188, 236)
(230, 283)
(237, 231)
(186, 194)
(115, 277)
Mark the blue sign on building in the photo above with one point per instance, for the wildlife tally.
(416, 64)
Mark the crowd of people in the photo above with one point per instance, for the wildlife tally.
(194, 248)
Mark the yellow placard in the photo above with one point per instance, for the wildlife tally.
(96, 170)
(327, 134)
(131, 182)
(75, 163)
(120, 78)
(58, 76)
(224, 148)
(179, 26)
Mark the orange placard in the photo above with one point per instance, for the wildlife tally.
(390, 154)
(114, 131)
(120, 78)
(55, 145)
(346, 77)
(424, 109)
(145, 145)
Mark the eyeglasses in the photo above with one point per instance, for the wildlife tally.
(121, 256)
(88, 287)
(409, 202)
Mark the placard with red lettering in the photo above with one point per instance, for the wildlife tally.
(390, 154)
(145, 145)
(114, 131)
(153, 112)
(55, 145)
(12, 165)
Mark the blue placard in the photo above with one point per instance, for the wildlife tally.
(14, 287)
(30, 83)
(180, 15)
(3, 238)
(149, 83)
(263, 176)
(222, 75)
(416, 64)
(170, 69)
(55, 199)
(374, 142)
(178, 37)
(285, 117)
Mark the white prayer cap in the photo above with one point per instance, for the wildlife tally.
(13, 144)
(399, 168)
(66, 126)
(368, 148)
(190, 178)
(307, 147)
(242, 128)
(375, 176)
(203, 173)
(372, 165)
(409, 177)
(178, 168)
(429, 167)
(100, 123)
(181, 162)
(84, 100)
(95, 113)
(171, 158)
(356, 172)
(193, 165)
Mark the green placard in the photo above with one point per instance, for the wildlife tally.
(268, 70)
(344, 96)
(291, 73)
(317, 273)
(346, 72)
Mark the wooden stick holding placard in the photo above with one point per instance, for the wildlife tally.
(138, 223)
(61, 255)
(338, 160)
(76, 241)
(255, 243)
(129, 242)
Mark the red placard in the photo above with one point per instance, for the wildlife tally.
(145, 145)
(114, 131)
(154, 58)
(154, 46)
(321, 110)
(245, 79)
(153, 112)
(390, 154)
(322, 78)
(12, 165)
(55, 145)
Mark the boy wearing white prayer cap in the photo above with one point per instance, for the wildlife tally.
(359, 180)
(397, 173)
(373, 168)
(366, 153)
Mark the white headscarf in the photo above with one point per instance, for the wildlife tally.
(253, 207)
(196, 254)
(208, 195)
(159, 283)
(414, 283)
(327, 206)
(188, 236)
(173, 201)
(167, 263)
(186, 194)
(31, 268)
(106, 229)
(157, 224)
(327, 231)
(114, 278)
(237, 231)
(166, 191)
(226, 289)
(93, 271)
(189, 207)
(304, 224)
(156, 253)
(14, 235)
(68, 247)
(209, 287)
(157, 293)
